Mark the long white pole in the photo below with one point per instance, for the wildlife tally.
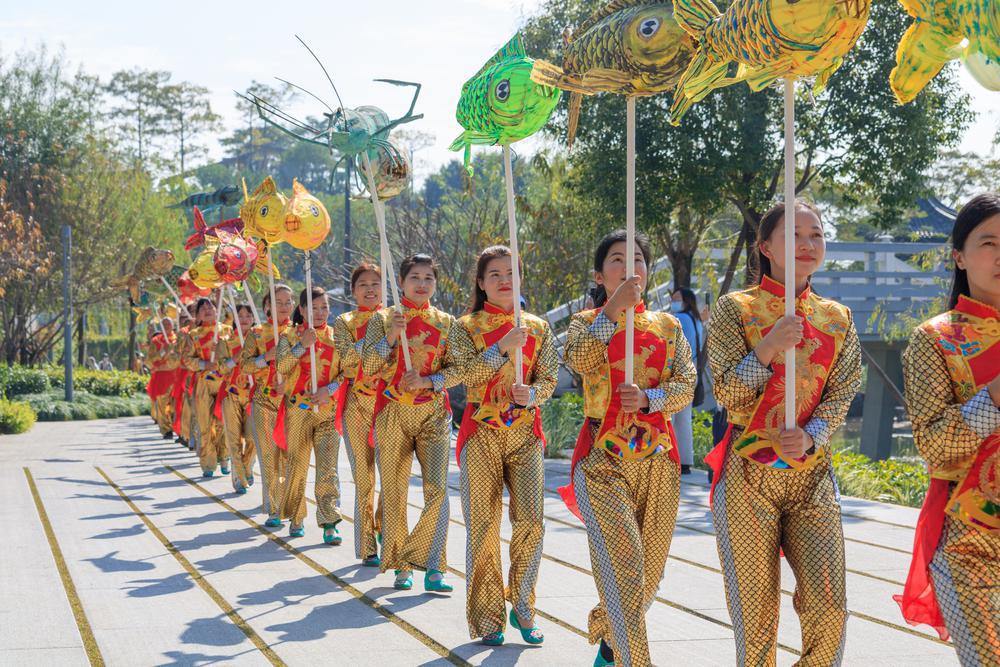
(177, 299)
(236, 318)
(274, 307)
(309, 318)
(515, 258)
(386, 260)
(218, 319)
(630, 232)
(790, 296)
(253, 306)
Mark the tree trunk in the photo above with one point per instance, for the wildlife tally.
(681, 263)
(131, 335)
(81, 341)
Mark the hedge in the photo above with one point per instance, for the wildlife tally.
(15, 416)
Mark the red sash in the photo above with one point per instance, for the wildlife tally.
(325, 354)
(620, 432)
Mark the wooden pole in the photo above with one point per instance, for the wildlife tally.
(515, 258)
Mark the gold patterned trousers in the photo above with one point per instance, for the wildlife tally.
(400, 432)
(187, 419)
(238, 440)
(490, 460)
(163, 413)
(273, 461)
(308, 432)
(211, 435)
(358, 417)
(629, 508)
(759, 511)
(966, 574)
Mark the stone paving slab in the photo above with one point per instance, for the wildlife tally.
(299, 602)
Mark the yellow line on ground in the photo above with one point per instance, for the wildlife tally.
(411, 629)
(226, 608)
(86, 633)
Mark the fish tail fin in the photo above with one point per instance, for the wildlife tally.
(133, 290)
(467, 161)
(694, 16)
(547, 74)
(916, 62)
(199, 220)
(575, 103)
(459, 143)
(702, 77)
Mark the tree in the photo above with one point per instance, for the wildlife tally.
(141, 99)
(188, 115)
(727, 150)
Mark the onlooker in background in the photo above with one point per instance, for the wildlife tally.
(684, 306)
(106, 364)
(92, 364)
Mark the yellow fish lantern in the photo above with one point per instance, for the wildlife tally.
(984, 70)
(202, 271)
(263, 212)
(770, 39)
(630, 47)
(306, 221)
(937, 36)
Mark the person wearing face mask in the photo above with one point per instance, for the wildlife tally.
(198, 355)
(773, 488)
(501, 443)
(356, 408)
(232, 400)
(684, 306)
(412, 417)
(257, 358)
(626, 470)
(952, 374)
(306, 417)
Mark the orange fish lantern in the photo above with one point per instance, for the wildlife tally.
(235, 259)
(307, 223)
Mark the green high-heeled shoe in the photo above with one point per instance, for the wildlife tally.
(492, 639)
(331, 535)
(530, 635)
(273, 522)
(434, 582)
(296, 531)
(404, 580)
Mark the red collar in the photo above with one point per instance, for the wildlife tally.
(772, 286)
(641, 308)
(365, 309)
(970, 306)
(496, 310)
(412, 306)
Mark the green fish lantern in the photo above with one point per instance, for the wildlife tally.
(501, 104)
(630, 47)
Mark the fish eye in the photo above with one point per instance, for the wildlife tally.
(649, 27)
(263, 211)
(314, 210)
(503, 90)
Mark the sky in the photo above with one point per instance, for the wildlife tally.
(224, 45)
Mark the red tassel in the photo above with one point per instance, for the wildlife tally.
(279, 428)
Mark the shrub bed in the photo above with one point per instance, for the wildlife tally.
(50, 406)
(15, 416)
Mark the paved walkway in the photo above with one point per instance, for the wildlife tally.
(118, 552)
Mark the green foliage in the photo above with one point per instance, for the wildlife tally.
(18, 380)
(100, 383)
(50, 406)
(561, 421)
(890, 481)
(15, 416)
(701, 423)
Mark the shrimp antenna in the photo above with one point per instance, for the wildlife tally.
(328, 78)
(293, 85)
